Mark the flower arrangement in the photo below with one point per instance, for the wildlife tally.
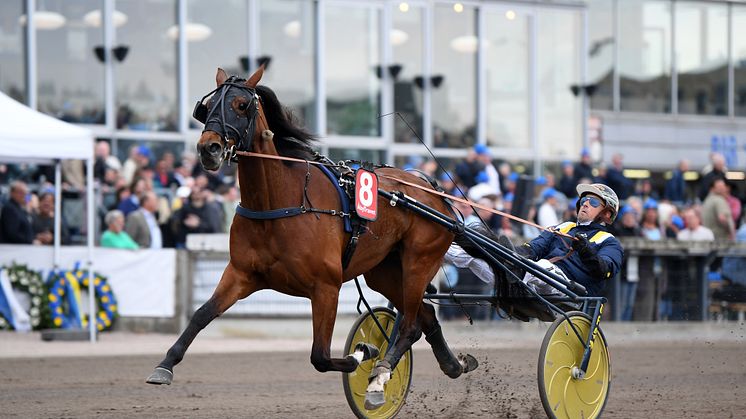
(29, 282)
(64, 293)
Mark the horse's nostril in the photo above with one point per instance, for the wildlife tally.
(214, 148)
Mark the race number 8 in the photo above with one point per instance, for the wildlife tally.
(365, 192)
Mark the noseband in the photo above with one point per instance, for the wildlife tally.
(223, 123)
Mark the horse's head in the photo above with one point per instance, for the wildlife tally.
(231, 114)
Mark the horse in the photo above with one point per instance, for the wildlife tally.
(301, 255)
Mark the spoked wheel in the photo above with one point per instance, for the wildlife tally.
(562, 395)
(355, 383)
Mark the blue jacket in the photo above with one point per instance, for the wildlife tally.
(607, 247)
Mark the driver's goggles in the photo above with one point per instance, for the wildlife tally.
(595, 202)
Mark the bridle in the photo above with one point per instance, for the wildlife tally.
(224, 124)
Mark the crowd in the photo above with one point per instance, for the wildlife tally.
(709, 210)
(150, 201)
(145, 201)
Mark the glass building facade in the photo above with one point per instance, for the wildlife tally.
(357, 73)
(666, 80)
(373, 77)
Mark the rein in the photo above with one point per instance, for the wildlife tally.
(414, 185)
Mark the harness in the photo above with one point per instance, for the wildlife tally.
(229, 122)
(344, 184)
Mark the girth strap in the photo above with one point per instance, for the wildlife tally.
(269, 214)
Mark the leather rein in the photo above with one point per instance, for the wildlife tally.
(413, 185)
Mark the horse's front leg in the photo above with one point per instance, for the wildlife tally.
(324, 310)
(233, 286)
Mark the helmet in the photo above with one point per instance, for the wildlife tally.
(606, 193)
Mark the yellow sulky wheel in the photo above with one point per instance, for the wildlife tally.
(562, 395)
(355, 383)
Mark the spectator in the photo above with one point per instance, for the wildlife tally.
(229, 199)
(114, 236)
(628, 227)
(717, 171)
(139, 157)
(15, 220)
(734, 274)
(646, 190)
(73, 174)
(447, 182)
(468, 169)
(489, 218)
(733, 202)
(694, 230)
(615, 177)
(132, 201)
(675, 189)
(716, 214)
(567, 182)
(583, 169)
(197, 216)
(104, 160)
(681, 283)
(649, 287)
(674, 227)
(547, 216)
(504, 170)
(142, 225)
(43, 222)
(493, 177)
(164, 177)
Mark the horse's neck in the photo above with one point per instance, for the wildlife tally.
(267, 183)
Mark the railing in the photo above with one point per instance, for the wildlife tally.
(684, 274)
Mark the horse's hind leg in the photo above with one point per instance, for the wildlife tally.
(386, 279)
(233, 286)
(449, 363)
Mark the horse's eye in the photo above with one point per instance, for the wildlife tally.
(242, 106)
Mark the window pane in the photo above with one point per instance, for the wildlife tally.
(224, 46)
(352, 54)
(702, 57)
(146, 78)
(507, 35)
(739, 58)
(645, 56)
(558, 66)
(406, 40)
(454, 100)
(12, 56)
(287, 37)
(601, 53)
(71, 78)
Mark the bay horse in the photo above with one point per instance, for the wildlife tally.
(302, 255)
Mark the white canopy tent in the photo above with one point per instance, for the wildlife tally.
(30, 136)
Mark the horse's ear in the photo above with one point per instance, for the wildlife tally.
(254, 79)
(221, 77)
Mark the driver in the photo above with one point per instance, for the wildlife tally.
(594, 255)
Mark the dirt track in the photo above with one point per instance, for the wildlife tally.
(701, 380)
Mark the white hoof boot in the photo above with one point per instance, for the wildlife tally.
(374, 397)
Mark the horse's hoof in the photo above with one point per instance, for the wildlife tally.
(374, 400)
(468, 362)
(369, 351)
(160, 376)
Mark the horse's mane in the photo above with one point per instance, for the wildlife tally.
(291, 139)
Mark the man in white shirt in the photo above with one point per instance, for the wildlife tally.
(484, 156)
(694, 230)
(547, 215)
